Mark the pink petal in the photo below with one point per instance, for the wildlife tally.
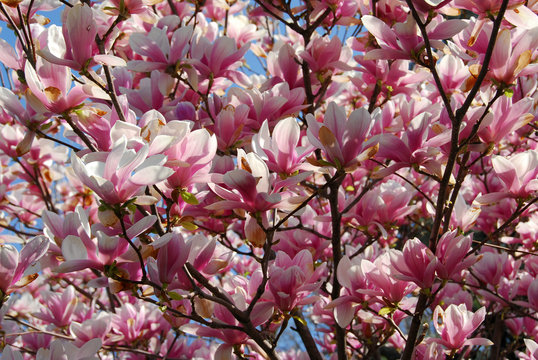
(81, 30)
(151, 175)
(501, 51)
(344, 314)
(286, 135)
(141, 225)
(380, 30)
(447, 29)
(109, 60)
(506, 172)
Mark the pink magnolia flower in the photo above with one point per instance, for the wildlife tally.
(35, 341)
(12, 57)
(418, 145)
(174, 251)
(403, 41)
(240, 291)
(271, 104)
(452, 72)
(281, 151)
(342, 140)
(162, 53)
(383, 206)
(98, 326)
(456, 324)
(429, 351)
(190, 158)
(284, 67)
(82, 252)
(451, 293)
(62, 349)
(427, 5)
(483, 8)
(295, 240)
(465, 215)
(490, 268)
(52, 86)
(251, 188)
(394, 78)
(80, 49)
(509, 60)
(323, 55)
(380, 274)
(11, 105)
(291, 281)
(415, 263)
(242, 30)
(184, 347)
(451, 253)
(218, 59)
(173, 254)
(58, 307)
(151, 94)
(134, 322)
(532, 294)
(10, 353)
(230, 125)
(518, 174)
(122, 173)
(506, 117)
(141, 8)
(95, 123)
(14, 264)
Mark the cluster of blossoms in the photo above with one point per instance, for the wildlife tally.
(218, 179)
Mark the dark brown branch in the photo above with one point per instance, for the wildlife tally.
(306, 335)
(79, 132)
(336, 217)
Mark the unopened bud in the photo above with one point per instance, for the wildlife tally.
(107, 217)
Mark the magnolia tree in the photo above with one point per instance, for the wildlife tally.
(225, 179)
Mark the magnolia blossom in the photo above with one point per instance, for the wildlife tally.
(452, 254)
(518, 175)
(281, 151)
(341, 139)
(161, 52)
(509, 60)
(456, 323)
(51, 86)
(252, 189)
(403, 40)
(293, 280)
(13, 264)
(61, 349)
(415, 263)
(122, 173)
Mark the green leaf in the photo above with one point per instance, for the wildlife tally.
(189, 226)
(509, 92)
(189, 198)
(46, 126)
(385, 310)
(174, 296)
